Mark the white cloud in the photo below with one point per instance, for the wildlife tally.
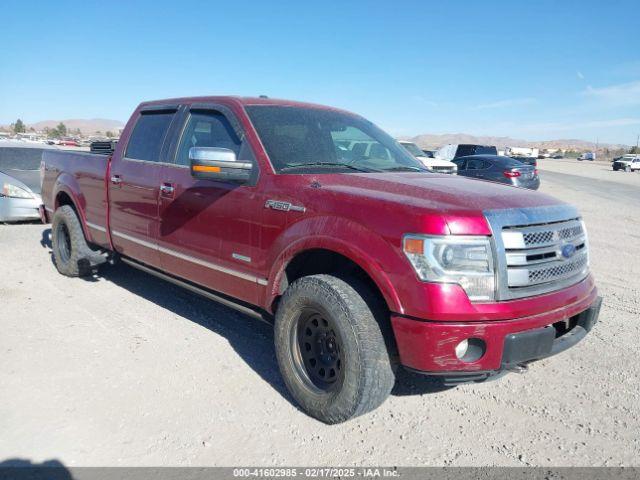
(513, 102)
(580, 75)
(621, 94)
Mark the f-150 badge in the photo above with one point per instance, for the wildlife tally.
(283, 206)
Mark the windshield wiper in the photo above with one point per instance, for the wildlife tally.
(327, 164)
(406, 168)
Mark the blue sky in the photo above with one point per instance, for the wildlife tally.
(527, 69)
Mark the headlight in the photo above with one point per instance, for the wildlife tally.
(586, 241)
(10, 190)
(467, 261)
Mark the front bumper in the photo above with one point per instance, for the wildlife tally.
(19, 209)
(429, 347)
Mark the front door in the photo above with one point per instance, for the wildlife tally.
(205, 232)
(134, 187)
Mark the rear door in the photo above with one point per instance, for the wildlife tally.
(134, 185)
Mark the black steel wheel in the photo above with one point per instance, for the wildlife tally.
(317, 350)
(64, 242)
(71, 253)
(331, 349)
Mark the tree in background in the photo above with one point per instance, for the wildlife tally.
(62, 129)
(634, 149)
(18, 127)
(59, 131)
(109, 134)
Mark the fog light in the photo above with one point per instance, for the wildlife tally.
(470, 349)
(461, 348)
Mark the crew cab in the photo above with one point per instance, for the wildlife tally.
(361, 258)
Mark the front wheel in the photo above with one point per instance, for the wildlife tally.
(330, 348)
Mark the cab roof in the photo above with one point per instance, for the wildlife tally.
(241, 101)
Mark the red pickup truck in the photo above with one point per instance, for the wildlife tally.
(314, 218)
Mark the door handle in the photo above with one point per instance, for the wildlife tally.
(167, 189)
(116, 180)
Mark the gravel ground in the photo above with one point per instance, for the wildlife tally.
(125, 369)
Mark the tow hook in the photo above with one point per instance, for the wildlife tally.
(518, 368)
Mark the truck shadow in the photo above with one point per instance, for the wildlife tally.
(19, 468)
(250, 338)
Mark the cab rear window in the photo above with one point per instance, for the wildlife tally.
(148, 136)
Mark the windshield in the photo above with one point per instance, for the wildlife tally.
(309, 139)
(413, 149)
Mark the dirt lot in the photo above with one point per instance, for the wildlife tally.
(127, 370)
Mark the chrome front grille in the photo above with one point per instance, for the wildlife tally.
(538, 250)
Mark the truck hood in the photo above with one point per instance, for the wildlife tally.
(433, 199)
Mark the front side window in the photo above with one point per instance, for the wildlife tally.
(207, 129)
(304, 140)
(148, 136)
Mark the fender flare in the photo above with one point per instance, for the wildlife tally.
(369, 264)
(66, 183)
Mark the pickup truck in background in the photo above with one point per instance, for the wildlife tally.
(628, 163)
(432, 164)
(315, 219)
(452, 151)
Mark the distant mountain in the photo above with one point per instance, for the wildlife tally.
(433, 141)
(86, 126)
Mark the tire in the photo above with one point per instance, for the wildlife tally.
(337, 323)
(71, 254)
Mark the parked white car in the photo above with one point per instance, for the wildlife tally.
(628, 163)
(433, 164)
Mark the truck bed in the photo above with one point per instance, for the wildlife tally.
(86, 173)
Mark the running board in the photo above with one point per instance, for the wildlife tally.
(255, 313)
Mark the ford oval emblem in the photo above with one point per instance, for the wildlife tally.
(568, 250)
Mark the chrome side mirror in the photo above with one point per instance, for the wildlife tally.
(213, 163)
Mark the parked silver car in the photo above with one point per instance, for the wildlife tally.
(19, 184)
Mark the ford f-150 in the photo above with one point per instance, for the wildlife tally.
(361, 258)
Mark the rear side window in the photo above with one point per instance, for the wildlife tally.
(148, 136)
(477, 164)
(208, 129)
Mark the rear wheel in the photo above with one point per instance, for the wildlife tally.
(330, 348)
(71, 254)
